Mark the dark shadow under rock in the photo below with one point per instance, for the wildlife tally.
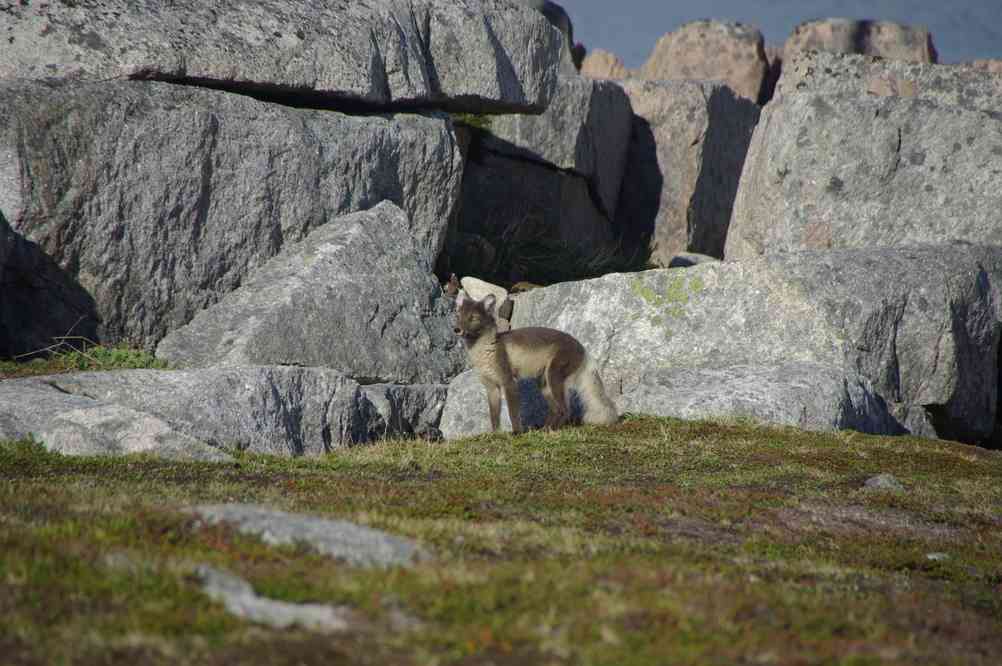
(40, 302)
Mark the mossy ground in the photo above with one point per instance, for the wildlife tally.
(654, 541)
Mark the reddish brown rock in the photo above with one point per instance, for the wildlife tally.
(687, 149)
(895, 41)
(601, 64)
(710, 50)
(989, 65)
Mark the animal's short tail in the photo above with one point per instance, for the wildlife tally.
(587, 383)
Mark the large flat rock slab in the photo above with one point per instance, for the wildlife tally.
(78, 425)
(838, 171)
(920, 324)
(155, 200)
(197, 413)
(355, 295)
(471, 55)
(802, 395)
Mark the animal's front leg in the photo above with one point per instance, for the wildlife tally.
(494, 405)
(511, 397)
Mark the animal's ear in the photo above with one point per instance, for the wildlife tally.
(488, 302)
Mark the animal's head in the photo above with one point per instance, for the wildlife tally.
(473, 317)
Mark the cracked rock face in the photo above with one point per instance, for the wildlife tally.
(840, 171)
(355, 296)
(687, 146)
(555, 176)
(585, 130)
(476, 55)
(143, 203)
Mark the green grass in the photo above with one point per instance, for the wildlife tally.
(64, 358)
(653, 541)
(481, 122)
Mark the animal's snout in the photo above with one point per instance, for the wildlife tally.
(457, 330)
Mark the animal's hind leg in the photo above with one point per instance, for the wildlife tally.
(555, 394)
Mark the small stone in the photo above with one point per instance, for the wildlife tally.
(239, 598)
(937, 557)
(884, 482)
(356, 544)
(478, 289)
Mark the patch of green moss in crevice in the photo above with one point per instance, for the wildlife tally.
(476, 121)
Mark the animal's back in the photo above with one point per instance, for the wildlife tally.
(533, 348)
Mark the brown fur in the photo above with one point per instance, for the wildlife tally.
(550, 356)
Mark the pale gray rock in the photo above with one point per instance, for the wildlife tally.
(803, 395)
(846, 171)
(559, 19)
(886, 39)
(466, 413)
(921, 325)
(886, 482)
(355, 544)
(117, 430)
(470, 55)
(356, 295)
(585, 130)
(733, 53)
(239, 598)
(687, 148)
(842, 74)
(282, 411)
(276, 410)
(78, 425)
(478, 289)
(155, 200)
(402, 410)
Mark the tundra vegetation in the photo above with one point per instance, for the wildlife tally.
(649, 540)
